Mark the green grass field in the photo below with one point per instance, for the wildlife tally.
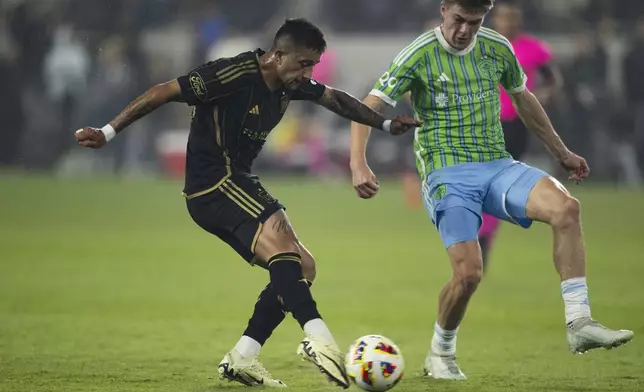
(109, 286)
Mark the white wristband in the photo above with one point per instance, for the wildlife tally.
(386, 126)
(109, 132)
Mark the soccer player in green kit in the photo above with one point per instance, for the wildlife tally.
(454, 74)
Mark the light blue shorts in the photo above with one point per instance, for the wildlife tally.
(499, 188)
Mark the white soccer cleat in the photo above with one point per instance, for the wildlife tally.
(443, 368)
(587, 334)
(327, 357)
(247, 371)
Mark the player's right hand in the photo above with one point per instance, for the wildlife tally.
(364, 181)
(576, 166)
(90, 137)
(402, 124)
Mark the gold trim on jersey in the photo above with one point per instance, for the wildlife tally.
(242, 199)
(249, 197)
(238, 74)
(218, 139)
(236, 69)
(205, 191)
(235, 197)
(231, 67)
(286, 258)
(253, 244)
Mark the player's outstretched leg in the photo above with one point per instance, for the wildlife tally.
(278, 245)
(487, 233)
(267, 315)
(458, 227)
(551, 203)
(242, 363)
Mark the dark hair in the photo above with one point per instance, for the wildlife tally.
(301, 33)
(472, 5)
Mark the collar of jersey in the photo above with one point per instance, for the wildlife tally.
(449, 48)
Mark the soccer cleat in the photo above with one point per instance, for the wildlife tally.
(327, 357)
(443, 368)
(587, 334)
(247, 371)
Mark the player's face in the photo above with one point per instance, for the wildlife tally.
(460, 26)
(507, 20)
(296, 66)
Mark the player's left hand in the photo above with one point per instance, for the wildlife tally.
(576, 166)
(90, 137)
(401, 124)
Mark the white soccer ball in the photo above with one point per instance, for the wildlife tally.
(374, 363)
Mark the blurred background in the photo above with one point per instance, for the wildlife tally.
(106, 284)
(65, 64)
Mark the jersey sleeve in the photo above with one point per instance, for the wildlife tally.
(311, 90)
(214, 80)
(513, 78)
(398, 79)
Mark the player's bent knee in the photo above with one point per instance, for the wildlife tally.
(276, 236)
(567, 214)
(308, 265)
(467, 265)
(469, 273)
(469, 279)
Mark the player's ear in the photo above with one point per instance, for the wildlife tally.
(279, 57)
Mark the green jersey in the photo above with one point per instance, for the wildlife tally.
(456, 95)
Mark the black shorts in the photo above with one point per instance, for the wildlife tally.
(516, 138)
(235, 212)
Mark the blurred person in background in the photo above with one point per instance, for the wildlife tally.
(110, 88)
(11, 111)
(66, 70)
(634, 85)
(313, 127)
(211, 29)
(588, 102)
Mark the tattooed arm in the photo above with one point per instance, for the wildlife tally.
(349, 107)
(151, 100)
(145, 104)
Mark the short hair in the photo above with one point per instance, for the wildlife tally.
(301, 33)
(472, 5)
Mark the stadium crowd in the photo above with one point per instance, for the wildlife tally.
(74, 62)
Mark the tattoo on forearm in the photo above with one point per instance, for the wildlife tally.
(141, 106)
(351, 108)
(282, 226)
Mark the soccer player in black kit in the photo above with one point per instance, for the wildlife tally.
(237, 102)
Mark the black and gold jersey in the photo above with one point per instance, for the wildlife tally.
(234, 112)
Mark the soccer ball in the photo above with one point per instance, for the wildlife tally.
(374, 363)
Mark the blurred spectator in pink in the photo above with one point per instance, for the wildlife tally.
(324, 71)
(318, 162)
